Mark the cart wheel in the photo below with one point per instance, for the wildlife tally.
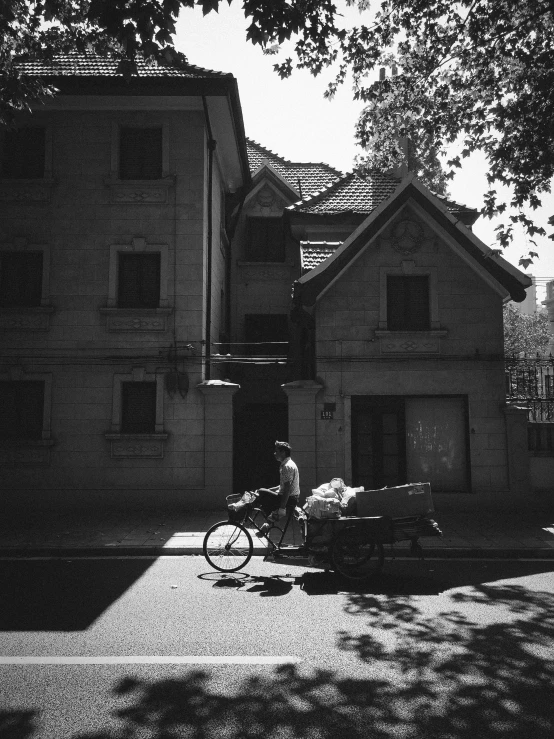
(354, 557)
(228, 546)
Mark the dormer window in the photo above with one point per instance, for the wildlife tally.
(265, 240)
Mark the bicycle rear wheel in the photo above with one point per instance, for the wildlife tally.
(228, 546)
(354, 557)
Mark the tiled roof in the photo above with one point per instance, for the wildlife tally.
(313, 176)
(74, 64)
(354, 194)
(315, 252)
(349, 194)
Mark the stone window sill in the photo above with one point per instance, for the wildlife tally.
(136, 319)
(139, 191)
(26, 191)
(22, 318)
(124, 446)
(410, 342)
(25, 452)
(246, 263)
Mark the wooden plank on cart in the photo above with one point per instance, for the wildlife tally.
(413, 499)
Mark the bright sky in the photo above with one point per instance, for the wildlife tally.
(292, 118)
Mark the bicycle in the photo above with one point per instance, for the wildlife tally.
(228, 545)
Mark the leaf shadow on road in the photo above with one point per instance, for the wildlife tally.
(479, 667)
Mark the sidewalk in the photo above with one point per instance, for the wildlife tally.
(529, 534)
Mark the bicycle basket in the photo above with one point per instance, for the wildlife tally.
(239, 505)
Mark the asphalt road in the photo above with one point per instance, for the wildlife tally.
(153, 649)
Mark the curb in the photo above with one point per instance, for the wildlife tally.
(123, 551)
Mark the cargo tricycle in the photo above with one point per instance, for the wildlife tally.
(353, 546)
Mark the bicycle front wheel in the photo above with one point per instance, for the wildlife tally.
(228, 546)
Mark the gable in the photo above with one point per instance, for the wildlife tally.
(266, 198)
(500, 275)
(411, 244)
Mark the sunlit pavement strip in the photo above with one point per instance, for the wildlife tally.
(149, 660)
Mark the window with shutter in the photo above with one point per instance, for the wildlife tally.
(139, 280)
(265, 240)
(140, 153)
(408, 303)
(24, 154)
(20, 279)
(138, 407)
(22, 405)
(262, 331)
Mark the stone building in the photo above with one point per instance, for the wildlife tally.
(114, 254)
(408, 379)
(151, 353)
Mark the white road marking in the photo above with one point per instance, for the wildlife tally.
(148, 660)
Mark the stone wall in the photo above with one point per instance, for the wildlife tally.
(460, 355)
(85, 216)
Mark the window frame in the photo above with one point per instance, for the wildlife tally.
(122, 144)
(20, 452)
(117, 126)
(137, 319)
(138, 246)
(126, 422)
(124, 444)
(19, 397)
(406, 269)
(48, 164)
(122, 299)
(399, 317)
(37, 272)
(29, 318)
(248, 254)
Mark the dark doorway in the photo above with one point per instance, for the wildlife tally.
(256, 427)
(400, 439)
(378, 442)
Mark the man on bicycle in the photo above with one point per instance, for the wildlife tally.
(289, 481)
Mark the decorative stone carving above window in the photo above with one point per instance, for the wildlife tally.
(26, 191)
(267, 201)
(28, 454)
(137, 445)
(407, 237)
(140, 191)
(136, 319)
(26, 319)
(410, 342)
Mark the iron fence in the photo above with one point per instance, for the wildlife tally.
(530, 381)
